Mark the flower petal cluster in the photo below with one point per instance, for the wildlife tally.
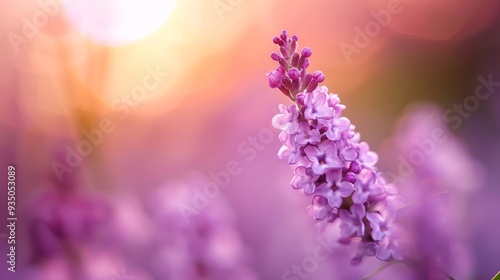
(330, 162)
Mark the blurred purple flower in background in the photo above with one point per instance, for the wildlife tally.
(207, 247)
(437, 190)
(145, 236)
(62, 219)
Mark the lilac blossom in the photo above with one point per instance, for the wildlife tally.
(334, 189)
(65, 218)
(331, 163)
(365, 249)
(381, 223)
(346, 152)
(287, 119)
(208, 247)
(338, 127)
(290, 150)
(323, 157)
(67, 225)
(321, 210)
(365, 186)
(437, 191)
(369, 158)
(307, 134)
(389, 246)
(74, 233)
(304, 179)
(352, 221)
(315, 106)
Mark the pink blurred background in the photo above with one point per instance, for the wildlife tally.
(67, 68)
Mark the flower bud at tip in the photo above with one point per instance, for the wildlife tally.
(306, 52)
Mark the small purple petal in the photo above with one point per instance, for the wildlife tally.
(345, 188)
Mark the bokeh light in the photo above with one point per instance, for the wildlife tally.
(114, 23)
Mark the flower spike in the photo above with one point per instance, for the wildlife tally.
(330, 163)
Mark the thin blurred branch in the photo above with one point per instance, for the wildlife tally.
(380, 268)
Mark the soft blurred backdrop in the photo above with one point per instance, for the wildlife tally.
(164, 91)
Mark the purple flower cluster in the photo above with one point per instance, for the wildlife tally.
(62, 219)
(330, 163)
(209, 247)
(438, 190)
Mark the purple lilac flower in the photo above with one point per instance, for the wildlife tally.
(315, 106)
(438, 191)
(304, 179)
(308, 134)
(352, 221)
(323, 157)
(334, 189)
(381, 223)
(65, 218)
(366, 187)
(207, 247)
(66, 226)
(389, 246)
(290, 150)
(367, 249)
(287, 119)
(331, 164)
